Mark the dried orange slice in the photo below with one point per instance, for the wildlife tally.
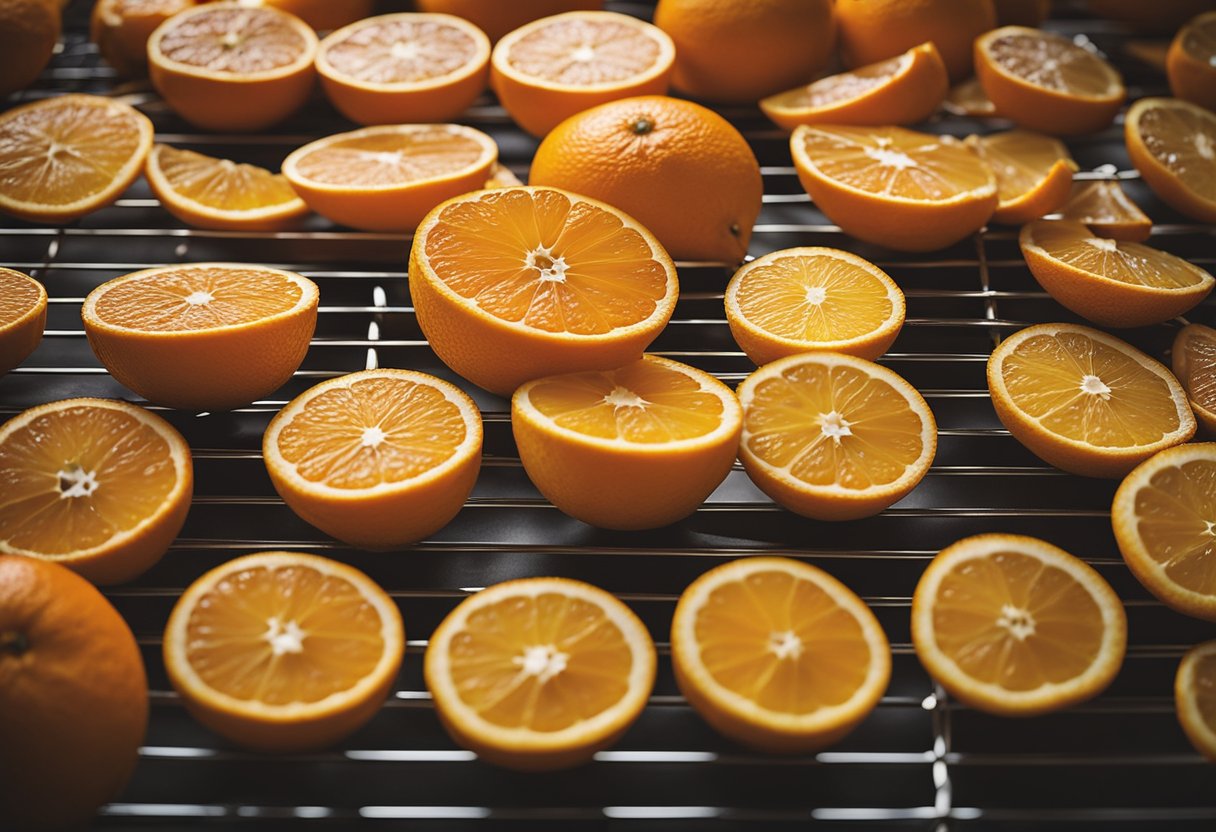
(378, 458)
(1195, 697)
(386, 178)
(752, 642)
(513, 284)
(539, 673)
(1085, 401)
(1191, 61)
(834, 437)
(1173, 145)
(204, 336)
(1110, 282)
(62, 157)
(121, 29)
(895, 187)
(1014, 626)
(283, 651)
(1033, 173)
(1107, 211)
(22, 317)
(549, 69)
(404, 68)
(969, 99)
(1194, 363)
(1045, 82)
(803, 299)
(99, 486)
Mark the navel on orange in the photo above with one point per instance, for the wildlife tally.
(1191, 61)
(1106, 210)
(1193, 360)
(1195, 697)
(1173, 145)
(1033, 173)
(22, 317)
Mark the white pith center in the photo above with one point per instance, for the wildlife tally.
(1210, 531)
(230, 39)
(544, 661)
(552, 269)
(785, 645)
(834, 426)
(816, 295)
(1205, 146)
(388, 158)
(74, 481)
(404, 51)
(199, 298)
(284, 638)
(583, 54)
(372, 437)
(1095, 387)
(621, 397)
(891, 158)
(1019, 622)
(1102, 245)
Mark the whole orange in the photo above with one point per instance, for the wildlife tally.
(874, 30)
(678, 168)
(497, 17)
(28, 32)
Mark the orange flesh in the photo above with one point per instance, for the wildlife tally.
(233, 39)
(1053, 63)
(1021, 161)
(390, 158)
(969, 97)
(1199, 40)
(74, 478)
(220, 183)
(583, 53)
(18, 295)
(190, 299)
(1199, 370)
(1175, 513)
(1185, 143)
(845, 86)
(1131, 263)
(1101, 203)
(402, 51)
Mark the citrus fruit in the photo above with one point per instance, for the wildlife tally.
(1194, 363)
(1085, 401)
(65, 156)
(777, 654)
(202, 336)
(803, 299)
(874, 30)
(680, 169)
(512, 284)
(497, 18)
(969, 99)
(548, 70)
(22, 317)
(283, 651)
(502, 176)
(378, 458)
(322, 14)
(1191, 62)
(29, 30)
(738, 51)
(73, 697)
(1043, 81)
(386, 178)
(834, 437)
(901, 90)
(1022, 12)
(895, 187)
(404, 68)
(1195, 697)
(539, 673)
(1107, 211)
(1014, 626)
(633, 448)
(1033, 173)
(100, 486)
(218, 193)
(1173, 145)
(121, 29)
(227, 66)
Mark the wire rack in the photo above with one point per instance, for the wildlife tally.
(920, 762)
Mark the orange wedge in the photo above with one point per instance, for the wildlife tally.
(902, 90)
(1173, 145)
(1085, 401)
(834, 437)
(1194, 363)
(969, 99)
(1033, 173)
(378, 458)
(63, 157)
(1107, 211)
(1014, 626)
(895, 187)
(777, 654)
(386, 178)
(539, 673)
(99, 486)
(283, 651)
(121, 29)
(404, 68)
(1191, 61)
(549, 69)
(1045, 82)
(1195, 697)
(803, 299)
(1109, 282)
(22, 317)
(512, 284)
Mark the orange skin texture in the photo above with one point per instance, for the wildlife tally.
(497, 17)
(872, 30)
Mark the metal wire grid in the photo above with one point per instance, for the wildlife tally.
(920, 762)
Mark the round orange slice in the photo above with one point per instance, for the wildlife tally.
(1191, 61)
(1106, 210)
(1195, 697)
(1033, 173)
(1173, 145)
(1193, 360)
(22, 317)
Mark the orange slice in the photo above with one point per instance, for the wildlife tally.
(379, 458)
(1194, 363)
(1195, 697)
(218, 193)
(539, 673)
(121, 29)
(404, 68)
(969, 99)
(1191, 62)
(386, 178)
(549, 69)
(513, 284)
(1014, 626)
(1033, 173)
(1109, 282)
(1084, 401)
(895, 187)
(63, 157)
(1045, 82)
(22, 317)
(834, 437)
(1107, 211)
(203, 336)
(1173, 145)
(902, 90)
(803, 299)
(634, 448)
(777, 654)
(233, 66)
(283, 651)
(99, 486)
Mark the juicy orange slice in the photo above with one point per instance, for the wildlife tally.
(969, 99)
(1085, 401)
(100, 486)
(751, 642)
(1194, 363)
(1195, 697)
(1033, 173)
(513, 284)
(62, 157)
(895, 187)
(1015, 626)
(1173, 145)
(1191, 61)
(549, 69)
(539, 673)
(283, 651)
(1107, 211)
(802, 299)
(22, 317)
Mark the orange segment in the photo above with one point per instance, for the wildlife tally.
(22, 317)
(1107, 211)
(1194, 363)
(1191, 61)
(1033, 173)
(1195, 697)
(1173, 145)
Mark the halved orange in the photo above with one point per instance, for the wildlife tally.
(1193, 360)
(1191, 61)
(512, 284)
(1195, 697)
(1033, 173)
(22, 317)
(121, 29)
(969, 99)
(1173, 145)
(1107, 211)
